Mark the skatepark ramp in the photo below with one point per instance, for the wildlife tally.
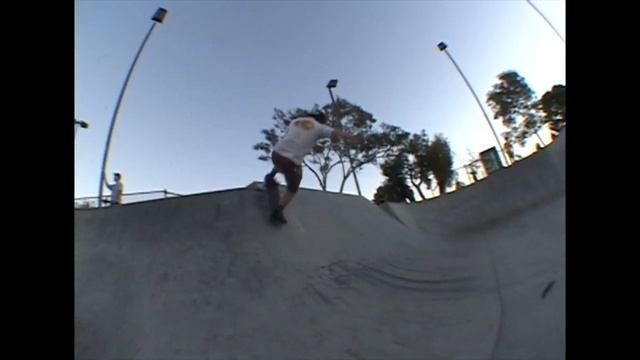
(475, 274)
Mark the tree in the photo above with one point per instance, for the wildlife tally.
(508, 137)
(422, 161)
(472, 169)
(513, 102)
(389, 142)
(553, 105)
(394, 188)
(473, 166)
(355, 120)
(425, 160)
(531, 125)
(438, 159)
(418, 169)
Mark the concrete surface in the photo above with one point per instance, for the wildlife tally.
(475, 274)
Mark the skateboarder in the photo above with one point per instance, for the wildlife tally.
(289, 152)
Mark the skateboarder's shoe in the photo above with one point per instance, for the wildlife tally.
(270, 181)
(277, 216)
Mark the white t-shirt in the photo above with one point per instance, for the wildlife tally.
(116, 192)
(300, 137)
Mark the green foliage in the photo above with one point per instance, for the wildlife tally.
(553, 107)
(514, 103)
(439, 161)
(394, 188)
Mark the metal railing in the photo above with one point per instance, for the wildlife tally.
(88, 202)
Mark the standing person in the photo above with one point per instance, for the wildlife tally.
(116, 188)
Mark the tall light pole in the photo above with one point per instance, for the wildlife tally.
(82, 124)
(443, 47)
(158, 17)
(547, 20)
(331, 85)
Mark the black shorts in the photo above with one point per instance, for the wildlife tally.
(292, 172)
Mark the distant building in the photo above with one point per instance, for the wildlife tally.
(491, 160)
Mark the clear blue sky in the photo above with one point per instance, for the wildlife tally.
(210, 76)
